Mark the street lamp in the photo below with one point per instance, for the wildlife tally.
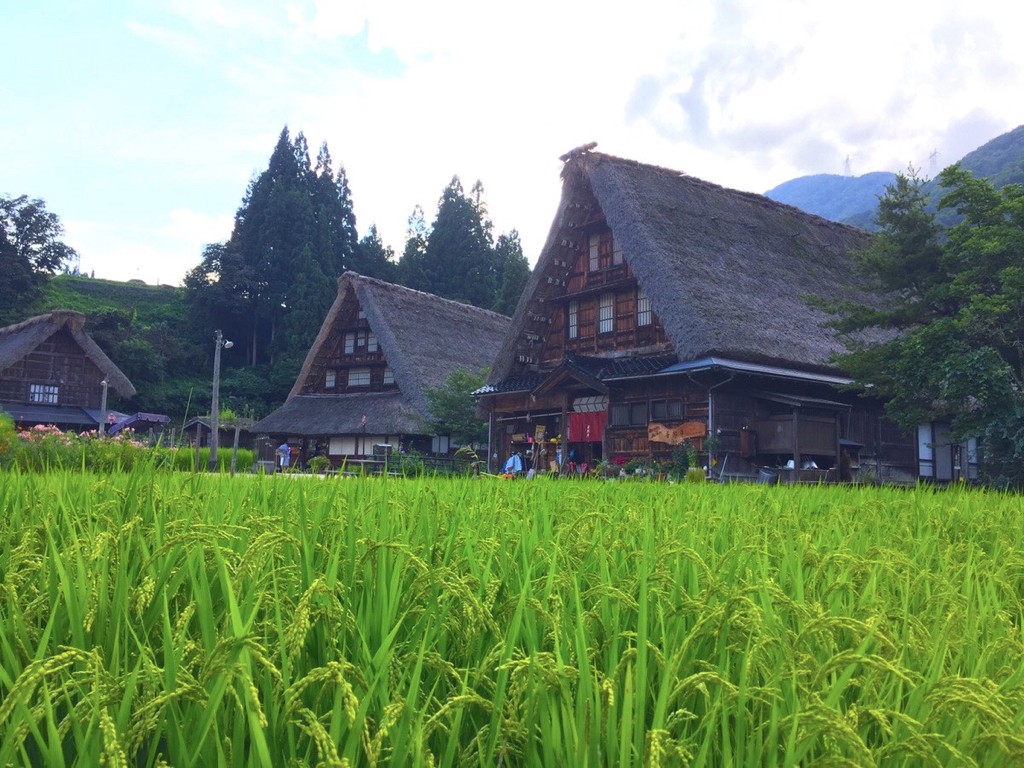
(219, 342)
(103, 408)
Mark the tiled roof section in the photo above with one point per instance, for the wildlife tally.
(605, 368)
(513, 384)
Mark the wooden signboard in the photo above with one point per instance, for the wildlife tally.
(688, 430)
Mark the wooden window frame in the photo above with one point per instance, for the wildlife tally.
(389, 376)
(673, 409)
(635, 414)
(606, 313)
(644, 316)
(603, 251)
(331, 379)
(368, 375)
(44, 394)
(573, 322)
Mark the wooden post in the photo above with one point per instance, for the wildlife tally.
(796, 444)
(103, 409)
(234, 452)
(199, 440)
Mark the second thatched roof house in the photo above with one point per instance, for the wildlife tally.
(664, 310)
(364, 380)
(52, 372)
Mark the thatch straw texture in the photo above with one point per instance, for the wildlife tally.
(727, 272)
(423, 338)
(19, 340)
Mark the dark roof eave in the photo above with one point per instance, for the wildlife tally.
(740, 366)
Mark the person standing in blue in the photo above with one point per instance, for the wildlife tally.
(284, 453)
(514, 465)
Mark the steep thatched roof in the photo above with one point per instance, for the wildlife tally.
(19, 340)
(423, 337)
(727, 272)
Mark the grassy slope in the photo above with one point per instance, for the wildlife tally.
(149, 303)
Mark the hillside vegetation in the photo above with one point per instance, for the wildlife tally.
(148, 332)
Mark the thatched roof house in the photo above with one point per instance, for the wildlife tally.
(727, 272)
(52, 372)
(379, 349)
(665, 309)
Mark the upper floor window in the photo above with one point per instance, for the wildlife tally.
(330, 380)
(359, 377)
(43, 393)
(357, 342)
(643, 308)
(595, 252)
(606, 313)
(389, 375)
(574, 319)
(604, 251)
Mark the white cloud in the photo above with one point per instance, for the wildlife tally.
(742, 93)
(161, 254)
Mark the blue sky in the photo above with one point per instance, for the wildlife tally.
(140, 124)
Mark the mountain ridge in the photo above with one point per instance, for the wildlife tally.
(854, 199)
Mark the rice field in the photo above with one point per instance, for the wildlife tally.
(154, 618)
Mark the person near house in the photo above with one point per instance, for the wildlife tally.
(514, 465)
(284, 454)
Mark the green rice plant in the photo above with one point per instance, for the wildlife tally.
(155, 618)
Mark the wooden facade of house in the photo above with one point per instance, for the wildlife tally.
(52, 372)
(665, 310)
(362, 388)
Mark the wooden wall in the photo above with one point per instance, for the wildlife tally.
(59, 361)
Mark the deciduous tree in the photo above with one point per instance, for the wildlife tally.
(454, 410)
(951, 309)
(31, 249)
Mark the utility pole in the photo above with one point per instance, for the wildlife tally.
(219, 342)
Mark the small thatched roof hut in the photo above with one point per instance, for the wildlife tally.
(19, 340)
(52, 372)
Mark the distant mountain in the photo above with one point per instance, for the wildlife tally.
(1000, 160)
(854, 199)
(832, 196)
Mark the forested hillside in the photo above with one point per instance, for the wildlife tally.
(268, 287)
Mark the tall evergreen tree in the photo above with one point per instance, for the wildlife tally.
(513, 272)
(459, 259)
(374, 259)
(411, 271)
(294, 234)
(336, 237)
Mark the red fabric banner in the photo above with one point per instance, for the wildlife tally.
(587, 427)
